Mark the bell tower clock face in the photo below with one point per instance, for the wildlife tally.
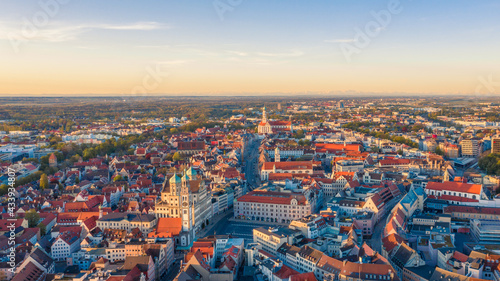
(184, 204)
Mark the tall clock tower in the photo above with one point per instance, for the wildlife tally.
(187, 234)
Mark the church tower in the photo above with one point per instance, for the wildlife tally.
(277, 156)
(264, 126)
(52, 160)
(446, 176)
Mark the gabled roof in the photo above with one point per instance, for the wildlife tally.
(363, 271)
(141, 261)
(441, 274)
(310, 253)
(228, 263)
(460, 257)
(403, 253)
(30, 272)
(329, 264)
(42, 257)
(285, 272)
(391, 241)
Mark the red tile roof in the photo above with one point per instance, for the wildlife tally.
(460, 257)
(453, 198)
(394, 162)
(391, 241)
(285, 272)
(472, 210)
(229, 263)
(271, 197)
(173, 226)
(308, 276)
(455, 186)
(5, 223)
(29, 272)
(294, 165)
(283, 176)
(335, 146)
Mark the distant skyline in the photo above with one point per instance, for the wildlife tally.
(240, 47)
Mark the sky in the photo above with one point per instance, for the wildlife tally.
(249, 47)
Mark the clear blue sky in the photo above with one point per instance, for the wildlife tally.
(110, 46)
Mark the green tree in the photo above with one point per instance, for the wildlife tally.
(4, 189)
(32, 217)
(118, 178)
(74, 158)
(177, 156)
(304, 142)
(89, 153)
(299, 134)
(44, 182)
(490, 163)
(43, 228)
(438, 151)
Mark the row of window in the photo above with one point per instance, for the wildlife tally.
(276, 215)
(246, 206)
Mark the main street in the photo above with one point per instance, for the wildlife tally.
(251, 162)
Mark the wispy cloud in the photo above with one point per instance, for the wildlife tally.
(262, 58)
(346, 40)
(238, 53)
(252, 61)
(60, 31)
(150, 25)
(293, 53)
(154, 46)
(174, 62)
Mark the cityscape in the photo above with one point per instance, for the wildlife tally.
(249, 140)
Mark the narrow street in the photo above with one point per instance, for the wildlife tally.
(376, 241)
(172, 271)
